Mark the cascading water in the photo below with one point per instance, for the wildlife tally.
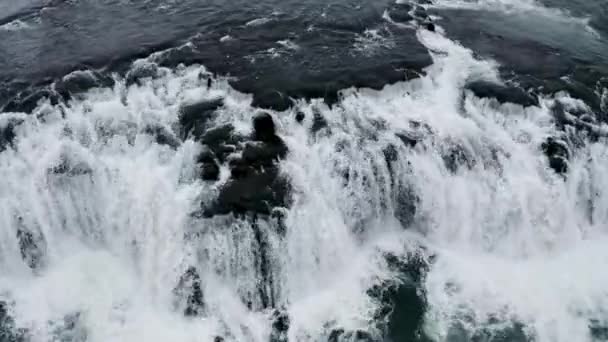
(420, 186)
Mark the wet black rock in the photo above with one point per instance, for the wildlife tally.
(71, 329)
(503, 332)
(557, 153)
(258, 192)
(195, 118)
(502, 93)
(210, 170)
(263, 127)
(598, 330)
(340, 335)
(222, 140)
(255, 185)
(7, 133)
(408, 138)
(140, 72)
(189, 289)
(402, 303)
(32, 245)
(400, 13)
(81, 81)
(456, 156)
(416, 133)
(430, 27)
(8, 332)
(420, 13)
(300, 117)
(391, 155)
(264, 154)
(162, 136)
(405, 204)
(280, 326)
(318, 122)
(69, 167)
(28, 100)
(272, 99)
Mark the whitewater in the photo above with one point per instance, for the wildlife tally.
(511, 249)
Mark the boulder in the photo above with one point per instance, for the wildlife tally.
(264, 128)
(194, 118)
(210, 170)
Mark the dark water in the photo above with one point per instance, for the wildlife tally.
(285, 51)
(63, 36)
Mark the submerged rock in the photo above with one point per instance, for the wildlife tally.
(162, 136)
(69, 167)
(502, 93)
(456, 156)
(222, 140)
(194, 118)
(27, 101)
(140, 72)
(71, 329)
(8, 332)
(405, 205)
(81, 81)
(400, 13)
(32, 245)
(340, 335)
(402, 305)
(280, 326)
(189, 289)
(264, 128)
(7, 133)
(557, 153)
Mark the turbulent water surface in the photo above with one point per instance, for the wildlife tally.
(344, 170)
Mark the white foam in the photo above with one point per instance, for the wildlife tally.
(258, 22)
(15, 25)
(521, 7)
